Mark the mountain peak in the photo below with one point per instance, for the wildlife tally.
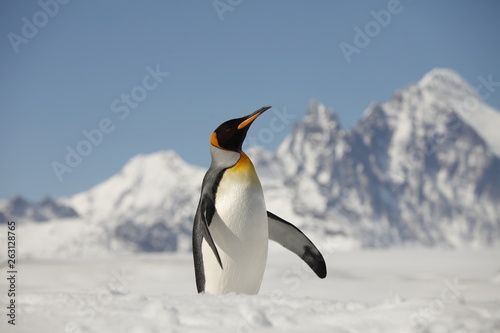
(160, 155)
(148, 188)
(154, 162)
(446, 92)
(445, 81)
(445, 74)
(319, 114)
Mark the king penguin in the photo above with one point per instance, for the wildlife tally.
(232, 226)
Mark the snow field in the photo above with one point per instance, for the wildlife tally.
(397, 290)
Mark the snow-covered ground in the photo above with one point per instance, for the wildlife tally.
(397, 290)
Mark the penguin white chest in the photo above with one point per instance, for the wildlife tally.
(239, 229)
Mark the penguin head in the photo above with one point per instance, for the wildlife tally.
(231, 134)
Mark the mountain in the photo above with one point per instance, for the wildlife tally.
(416, 169)
(150, 203)
(19, 208)
(413, 169)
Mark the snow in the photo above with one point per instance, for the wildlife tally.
(486, 122)
(65, 238)
(398, 290)
(445, 87)
(312, 200)
(84, 274)
(401, 137)
(141, 187)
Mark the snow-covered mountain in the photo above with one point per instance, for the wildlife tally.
(418, 168)
(413, 169)
(19, 208)
(150, 203)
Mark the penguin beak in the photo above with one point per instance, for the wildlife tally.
(250, 118)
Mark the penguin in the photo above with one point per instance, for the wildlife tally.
(232, 227)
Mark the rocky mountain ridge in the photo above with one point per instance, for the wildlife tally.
(413, 170)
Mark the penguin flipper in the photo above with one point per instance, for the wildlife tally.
(207, 212)
(290, 237)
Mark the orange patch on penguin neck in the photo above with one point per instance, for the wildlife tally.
(243, 162)
(214, 141)
(244, 168)
(242, 173)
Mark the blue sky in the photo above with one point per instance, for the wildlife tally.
(72, 73)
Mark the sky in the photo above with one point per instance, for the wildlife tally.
(87, 85)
